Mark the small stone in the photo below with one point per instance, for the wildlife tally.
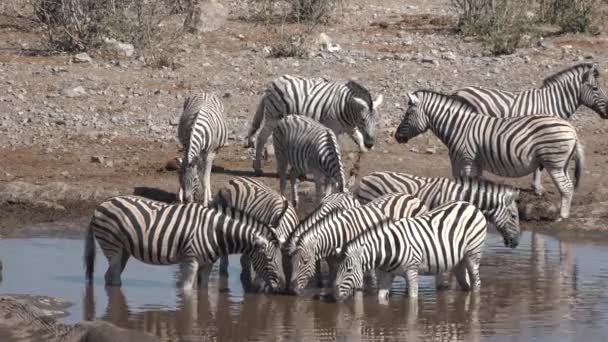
(431, 150)
(415, 150)
(74, 92)
(82, 58)
(97, 159)
(119, 48)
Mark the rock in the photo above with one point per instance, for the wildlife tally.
(323, 40)
(97, 159)
(119, 48)
(537, 209)
(82, 58)
(333, 48)
(205, 16)
(173, 164)
(448, 56)
(431, 150)
(415, 150)
(73, 92)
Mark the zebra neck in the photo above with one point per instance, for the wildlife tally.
(448, 126)
(561, 99)
(234, 235)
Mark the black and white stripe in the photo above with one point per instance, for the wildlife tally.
(511, 147)
(339, 227)
(188, 234)
(308, 147)
(496, 201)
(450, 237)
(344, 107)
(201, 131)
(561, 95)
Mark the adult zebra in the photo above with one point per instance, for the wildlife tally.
(308, 146)
(344, 107)
(561, 95)
(511, 147)
(337, 228)
(188, 234)
(201, 131)
(450, 237)
(261, 202)
(496, 201)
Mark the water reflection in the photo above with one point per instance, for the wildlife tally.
(546, 290)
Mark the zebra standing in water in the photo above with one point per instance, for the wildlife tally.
(337, 228)
(201, 131)
(450, 237)
(307, 146)
(344, 107)
(560, 95)
(511, 147)
(496, 201)
(188, 234)
(258, 200)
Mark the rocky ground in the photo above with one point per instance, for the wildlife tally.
(77, 129)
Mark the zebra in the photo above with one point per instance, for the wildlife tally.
(337, 228)
(512, 147)
(201, 131)
(561, 95)
(448, 238)
(308, 146)
(187, 234)
(261, 202)
(497, 201)
(344, 107)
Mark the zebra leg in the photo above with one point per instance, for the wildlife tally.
(385, 282)
(204, 271)
(207, 179)
(295, 199)
(224, 266)
(117, 263)
(370, 279)
(442, 280)
(564, 185)
(472, 266)
(318, 278)
(411, 275)
(246, 278)
(265, 133)
(462, 276)
(201, 194)
(320, 187)
(189, 272)
(537, 185)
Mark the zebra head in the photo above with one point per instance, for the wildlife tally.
(414, 122)
(349, 275)
(592, 94)
(188, 182)
(267, 261)
(506, 219)
(303, 265)
(365, 112)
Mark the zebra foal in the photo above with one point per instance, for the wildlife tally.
(187, 234)
(512, 147)
(307, 146)
(496, 201)
(337, 228)
(344, 107)
(561, 95)
(201, 131)
(450, 237)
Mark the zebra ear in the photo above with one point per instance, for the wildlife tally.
(412, 99)
(378, 102)
(512, 196)
(361, 102)
(338, 250)
(260, 242)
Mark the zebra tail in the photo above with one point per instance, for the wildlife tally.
(257, 122)
(579, 164)
(89, 253)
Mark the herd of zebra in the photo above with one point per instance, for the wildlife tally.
(382, 225)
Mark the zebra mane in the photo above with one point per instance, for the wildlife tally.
(192, 106)
(242, 216)
(454, 98)
(568, 73)
(359, 91)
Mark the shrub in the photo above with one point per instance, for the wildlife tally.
(318, 11)
(76, 25)
(569, 15)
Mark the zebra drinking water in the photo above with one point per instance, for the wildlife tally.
(188, 234)
(561, 95)
(511, 147)
(450, 237)
(201, 131)
(337, 228)
(307, 146)
(344, 107)
(496, 201)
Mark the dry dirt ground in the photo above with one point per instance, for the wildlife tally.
(127, 115)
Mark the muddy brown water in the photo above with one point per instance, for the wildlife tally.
(545, 290)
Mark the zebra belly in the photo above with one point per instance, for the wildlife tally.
(505, 169)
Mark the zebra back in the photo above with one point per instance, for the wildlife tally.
(201, 126)
(382, 183)
(399, 205)
(260, 201)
